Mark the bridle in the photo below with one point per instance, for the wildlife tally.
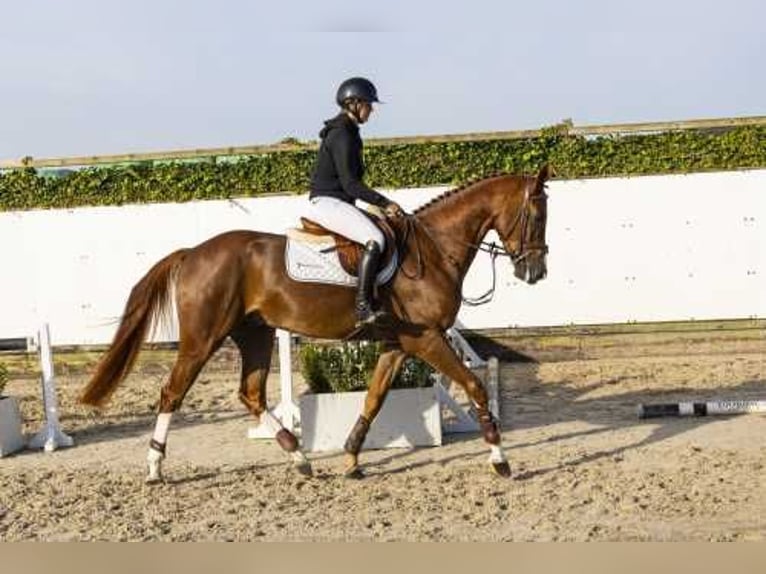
(527, 246)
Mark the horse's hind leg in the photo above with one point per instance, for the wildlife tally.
(192, 356)
(256, 344)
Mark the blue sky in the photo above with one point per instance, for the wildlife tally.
(87, 77)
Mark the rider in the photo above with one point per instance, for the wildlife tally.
(336, 183)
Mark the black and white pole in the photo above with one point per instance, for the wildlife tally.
(700, 409)
(51, 436)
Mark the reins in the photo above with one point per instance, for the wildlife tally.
(409, 228)
(494, 250)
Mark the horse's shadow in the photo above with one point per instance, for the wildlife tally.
(538, 405)
(109, 427)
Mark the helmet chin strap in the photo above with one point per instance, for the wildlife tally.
(353, 110)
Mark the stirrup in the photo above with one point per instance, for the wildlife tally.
(367, 316)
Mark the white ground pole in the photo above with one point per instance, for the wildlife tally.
(51, 436)
(287, 410)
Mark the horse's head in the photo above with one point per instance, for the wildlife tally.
(521, 227)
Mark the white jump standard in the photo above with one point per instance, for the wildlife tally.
(51, 436)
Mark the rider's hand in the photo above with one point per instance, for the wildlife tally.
(393, 209)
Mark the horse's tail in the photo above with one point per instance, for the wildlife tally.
(149, 301)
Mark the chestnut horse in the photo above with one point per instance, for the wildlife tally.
(235, 284)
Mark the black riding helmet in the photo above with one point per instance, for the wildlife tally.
(357, 88)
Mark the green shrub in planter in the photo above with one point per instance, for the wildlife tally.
(3, 378)
(349, 367)
(413, 374)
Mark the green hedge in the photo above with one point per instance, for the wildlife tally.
(349, 367)
(391, 166)
(3, 378)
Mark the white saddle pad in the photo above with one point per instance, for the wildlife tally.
(307, 262)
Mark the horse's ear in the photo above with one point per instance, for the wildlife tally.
(546, 172)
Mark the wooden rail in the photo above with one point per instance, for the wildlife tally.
(199, 154)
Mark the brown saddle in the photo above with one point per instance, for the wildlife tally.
(350, 252)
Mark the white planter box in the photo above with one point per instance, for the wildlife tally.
(409, 417)
(11, 438)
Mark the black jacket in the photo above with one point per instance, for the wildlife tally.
(339, 167)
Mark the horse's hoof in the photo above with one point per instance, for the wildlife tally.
(354, 473)
(502, 469)
(154, 480)
(304, 469)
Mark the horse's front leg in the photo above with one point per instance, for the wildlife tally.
(434, 348)
(388, 366)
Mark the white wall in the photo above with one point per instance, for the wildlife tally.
(628, 249)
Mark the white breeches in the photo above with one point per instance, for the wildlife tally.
(344, 218)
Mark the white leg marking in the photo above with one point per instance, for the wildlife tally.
(496, 454)
(299, 458)
(162, 427)
(154, 459)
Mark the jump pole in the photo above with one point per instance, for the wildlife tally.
(51, 436)
(18, 344)
(700, 409)
(286, 410)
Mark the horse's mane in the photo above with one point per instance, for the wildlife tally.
(453, 192)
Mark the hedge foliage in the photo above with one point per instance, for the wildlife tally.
(3, 378)
(349, 367)
(390, 166)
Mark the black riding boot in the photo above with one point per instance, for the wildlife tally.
(368, 267)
